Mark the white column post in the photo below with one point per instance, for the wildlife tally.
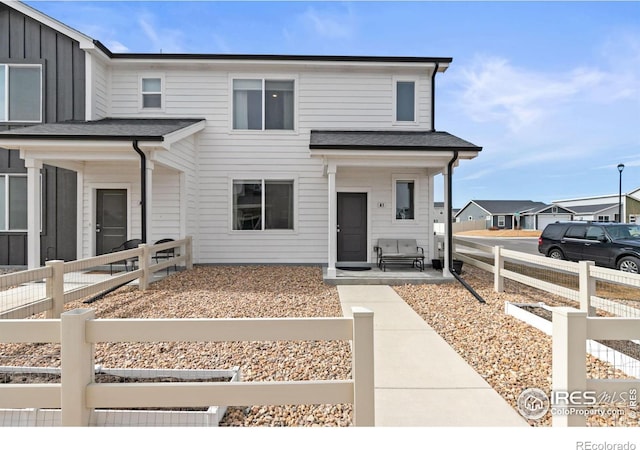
(77, 367)
(34, 212)
(333, 220)
(568, 364)
(363, 368)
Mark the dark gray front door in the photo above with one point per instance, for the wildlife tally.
(111, 219)
(352, 226)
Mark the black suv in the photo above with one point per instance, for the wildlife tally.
(614, 245)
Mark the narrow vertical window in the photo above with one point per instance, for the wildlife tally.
(17, 203)
(3, 94)
(405, 101)
(247, 104)
(152, 93)
(405, 207)
(3, 203)
(278, 105)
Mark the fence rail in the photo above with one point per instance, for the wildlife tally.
(492, 259)
(78, 331)
(23, 294)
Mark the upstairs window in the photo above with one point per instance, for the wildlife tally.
(405, 101)
(151, 89)
(20, 93)
(260, 104)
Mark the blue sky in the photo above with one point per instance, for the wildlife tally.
(550, 90)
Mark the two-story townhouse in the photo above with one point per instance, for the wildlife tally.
(261, 158)
(41, 81)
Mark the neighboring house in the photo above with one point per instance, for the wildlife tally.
(33, 56)
(261, 158)
(605, 208)
(506, 214)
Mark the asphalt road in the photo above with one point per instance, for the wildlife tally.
(524, 245)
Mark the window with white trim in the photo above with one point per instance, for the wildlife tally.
(13, 202)
(405, 101)
(151, 90)
(404, 198)
(501, 221)
(262, 104)
(262, 205)
(20, 93)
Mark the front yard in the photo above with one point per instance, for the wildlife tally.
(508, 353)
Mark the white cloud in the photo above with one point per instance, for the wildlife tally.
(116, 47)
(161, 40)
(330, 24)
(494, 90)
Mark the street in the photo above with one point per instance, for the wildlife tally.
(525, 245)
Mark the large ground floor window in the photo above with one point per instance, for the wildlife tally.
(263, 204)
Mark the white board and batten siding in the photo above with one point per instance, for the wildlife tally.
(359, 98)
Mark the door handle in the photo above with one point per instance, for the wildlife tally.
(338, 230)
(98, 228)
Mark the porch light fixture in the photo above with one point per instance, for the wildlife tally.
(620, 169)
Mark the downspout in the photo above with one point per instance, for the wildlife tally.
(143, 190)
(450, 230)
(433, 97)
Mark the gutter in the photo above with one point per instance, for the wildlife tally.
(433, 97)
(450, 231)
(143, 190)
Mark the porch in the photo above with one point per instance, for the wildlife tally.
(368, 274)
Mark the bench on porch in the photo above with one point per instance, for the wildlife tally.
(399, 251)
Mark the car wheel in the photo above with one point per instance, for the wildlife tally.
(629, 264)
(556, 254)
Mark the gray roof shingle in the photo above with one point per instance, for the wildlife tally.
(104, 129)
(508, 206)
(388, 140)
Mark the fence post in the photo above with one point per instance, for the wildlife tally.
(55, 289)
(144, 259)
(498, 267)
(363, 368)
(77, 367)
(569, 367)
(189, 252)
(587, 287)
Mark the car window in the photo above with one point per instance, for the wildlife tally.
(553, 231)
(595, 233)
(576, 231)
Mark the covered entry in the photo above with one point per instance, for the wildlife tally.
(385, 165)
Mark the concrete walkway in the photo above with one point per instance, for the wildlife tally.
(419, 379)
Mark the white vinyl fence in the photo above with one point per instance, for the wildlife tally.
(572, 391)
(77, 395)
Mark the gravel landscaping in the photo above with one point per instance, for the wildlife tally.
(508, 353)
